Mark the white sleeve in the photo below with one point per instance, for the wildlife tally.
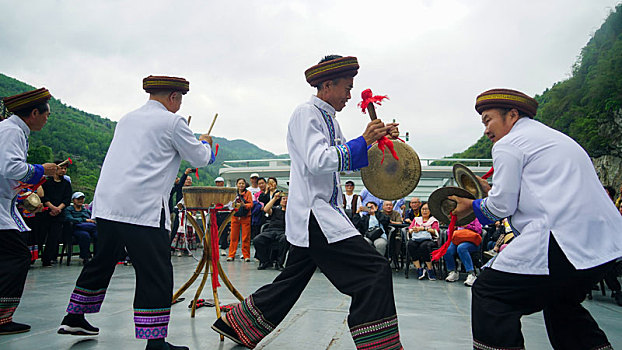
(502, 199)
(305, 130)
(198, 154)
(12, 163)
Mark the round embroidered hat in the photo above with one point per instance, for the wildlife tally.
(155, 83)
(506, 98)
(333, 69)
(26, 99)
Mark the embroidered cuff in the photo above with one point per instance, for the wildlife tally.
(212, 156)
(33, 175)
(482, 213)
(352, 155)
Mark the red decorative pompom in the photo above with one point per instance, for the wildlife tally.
(368, 97)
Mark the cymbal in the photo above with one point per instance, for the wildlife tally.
(467, 180)
(441, 206)
(393, 179)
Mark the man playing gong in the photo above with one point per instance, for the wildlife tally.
(30, 112)
(317, 227)
(133, 214)
(566, 230)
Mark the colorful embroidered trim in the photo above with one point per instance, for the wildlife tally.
(151, 323)
(7, 309)
(249, 323)
(525, 100)
(345, 157)
(29, 173)
(477, 345)
(514, 230)
(486, 212)
(27, 99)
(382, 334)
(21, 226)
(85, 301)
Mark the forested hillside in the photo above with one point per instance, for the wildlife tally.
(85, 138)
(587, 106)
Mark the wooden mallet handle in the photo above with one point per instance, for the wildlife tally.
(189, 119)
(372, 111)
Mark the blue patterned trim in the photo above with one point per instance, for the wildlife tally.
(329, 123)
(335, 197)
(487, 213)
(33, 175)
(345, 163)
(21, 227)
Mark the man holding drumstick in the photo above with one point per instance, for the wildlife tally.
(146, 151)
(317, 227)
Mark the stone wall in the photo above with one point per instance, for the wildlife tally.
(609, 170)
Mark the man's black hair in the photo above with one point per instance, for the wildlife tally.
(25, 113)
(329, 58)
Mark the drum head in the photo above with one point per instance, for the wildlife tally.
(441, 206)
(467, 180)
(393, 179)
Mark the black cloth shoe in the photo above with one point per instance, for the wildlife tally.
(165, 346)
(264, 265)
(221, 327)
(13, 328)
(77, 325)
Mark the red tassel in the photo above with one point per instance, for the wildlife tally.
(70, 161)
(489, 173)
(440, 252)
(216, 150)
(214, 247)
(196, 172)
(385, 142)
(368, 97)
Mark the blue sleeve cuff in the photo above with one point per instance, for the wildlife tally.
(484, 216)
(33, 175)
(352, 155)
(212, 158)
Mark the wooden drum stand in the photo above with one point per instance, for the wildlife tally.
(202, 199)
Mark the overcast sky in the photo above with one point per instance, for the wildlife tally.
(246, 59)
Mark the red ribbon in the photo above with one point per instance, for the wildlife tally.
(70, 161)
(33, 188)
(216, 150)
(489, 173)
(385, 142)
(440, 252)
(368, 97)
(196, 172)
(214, 247)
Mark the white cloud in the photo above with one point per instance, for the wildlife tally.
(245, 59)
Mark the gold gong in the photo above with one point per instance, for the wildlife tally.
(393, 179)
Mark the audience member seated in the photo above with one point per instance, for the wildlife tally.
(275, 232)
(394, 216)
(351, 201)
(413, 211)
(83, 227)
(423, 239)
(373, 227)
(398, 206)
(367, 197)
(57, 196)
(463, 250)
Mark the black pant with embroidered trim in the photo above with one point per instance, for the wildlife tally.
(351, 265)
(149, 251)
(14, 263)
(500, 299)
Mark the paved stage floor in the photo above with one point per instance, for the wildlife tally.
(432, 315)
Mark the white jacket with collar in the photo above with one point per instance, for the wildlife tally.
(142, 163)
(545, 183)
(318, 153)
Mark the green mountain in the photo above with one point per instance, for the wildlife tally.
(586, 106)
(85, 138)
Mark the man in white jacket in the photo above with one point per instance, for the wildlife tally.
(566, 230)
(131, 210)
(317, 227)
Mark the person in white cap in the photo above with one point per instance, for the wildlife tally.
(84, 228)
(254, 187)
(219, 182)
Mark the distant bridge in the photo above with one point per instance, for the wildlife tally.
(432, 176)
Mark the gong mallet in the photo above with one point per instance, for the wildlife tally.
(212, 126)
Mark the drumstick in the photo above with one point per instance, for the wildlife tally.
(65, 162)
(211, 126)
(189, 119)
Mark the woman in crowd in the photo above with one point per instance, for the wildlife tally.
(241, 219)
(184, 239)
(423, 239)
(463, 250)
